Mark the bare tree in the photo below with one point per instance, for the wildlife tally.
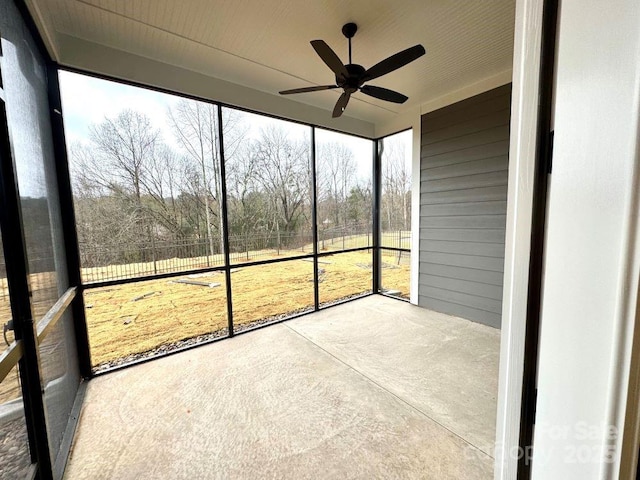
(396, 185)
(246, 211)
(134, 193)
(126, 164)
(336, 176)
(283, 164)
(125, 146)
(161, 185)
(195, 126)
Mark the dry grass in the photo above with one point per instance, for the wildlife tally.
(119, 326)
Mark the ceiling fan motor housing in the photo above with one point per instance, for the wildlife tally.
(353, 81)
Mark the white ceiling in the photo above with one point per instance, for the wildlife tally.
(264, 44)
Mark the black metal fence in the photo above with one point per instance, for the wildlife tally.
(115, 262)
(396, 239)
(344, 236)
(161, 257)
(103, 262)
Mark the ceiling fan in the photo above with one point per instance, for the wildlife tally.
(352, 77)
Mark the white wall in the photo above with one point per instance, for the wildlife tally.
(584, 341)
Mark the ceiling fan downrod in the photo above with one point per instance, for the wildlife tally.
(349, 30)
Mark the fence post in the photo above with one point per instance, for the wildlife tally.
(153, 253)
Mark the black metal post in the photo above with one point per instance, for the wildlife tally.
(377, 155)
(70, 234)
(314, 222)
(19, 293)
(544, 142)
(225, 222)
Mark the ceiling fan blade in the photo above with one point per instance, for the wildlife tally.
(384, 94)
(341, 104)
(329, 57)
(308, 89)
(394, 62)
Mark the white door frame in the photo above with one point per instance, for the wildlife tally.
(522, 161)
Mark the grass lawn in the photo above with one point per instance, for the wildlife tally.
(138, 317)
(127, 320)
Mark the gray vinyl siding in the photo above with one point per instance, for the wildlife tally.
(463, 206)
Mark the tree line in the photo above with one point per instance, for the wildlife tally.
(139, 196)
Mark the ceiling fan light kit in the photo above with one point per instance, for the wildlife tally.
(352, 77)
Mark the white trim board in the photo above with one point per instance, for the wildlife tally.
(415, 210)
(522, 158)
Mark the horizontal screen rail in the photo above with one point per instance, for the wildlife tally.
(55, 313)
(347, 250)
(158, 276)
(396, 249)
(10, 358)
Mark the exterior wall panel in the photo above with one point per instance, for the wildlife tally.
(463, 205)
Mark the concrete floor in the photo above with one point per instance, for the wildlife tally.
(374, 388)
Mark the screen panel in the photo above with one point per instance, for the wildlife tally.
(146, 179)
(395, 273)
(266, 293)
(269, 187)
(344, 276)
(395, 190)
(26, 89)
(344, 184)
(136, 320)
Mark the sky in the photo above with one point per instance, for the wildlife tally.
(406, 138)
(88, 100)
